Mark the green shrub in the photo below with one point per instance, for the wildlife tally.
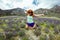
(58, 27)
(52, 36)
(25, 38)
(46, 30)
(22, 25)
(21, 33)
(56, 30)
(37, 32)
(2, 36)
(42, 37)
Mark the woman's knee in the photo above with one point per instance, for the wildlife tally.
(26, 26)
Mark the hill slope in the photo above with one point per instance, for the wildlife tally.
(15, 11)
(55, 11)
(13, 28)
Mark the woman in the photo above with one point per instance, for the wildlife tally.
(30, 22)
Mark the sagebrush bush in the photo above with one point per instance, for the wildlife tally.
(22, 25)
(2, 36)
(56, 30)
(37, 32)
(52, 36)
(46, 30)
(21, 33)
(58, 27)
(42, 37)
(25, 38)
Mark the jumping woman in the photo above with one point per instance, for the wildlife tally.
(30, 22)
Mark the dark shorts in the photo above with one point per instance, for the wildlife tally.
(30, 24)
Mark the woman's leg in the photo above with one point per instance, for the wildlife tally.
(34, 25)
(26, 26)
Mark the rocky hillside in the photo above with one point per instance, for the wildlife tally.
(54, 11)
(15, 11)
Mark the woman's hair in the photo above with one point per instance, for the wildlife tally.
(30, 12)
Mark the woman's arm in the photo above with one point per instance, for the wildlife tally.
(37, 15)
